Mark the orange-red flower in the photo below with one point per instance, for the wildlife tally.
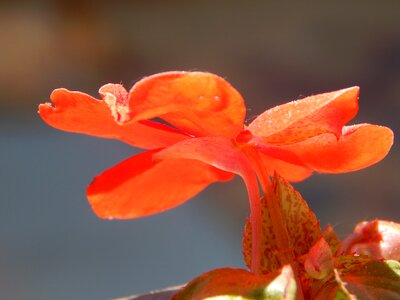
(203, 138)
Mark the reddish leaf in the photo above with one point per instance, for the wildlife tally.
(331, 238)
(270, 252)
(229, 284)
(221, 282)
(334, 288)
(346, 263)
(378, 239)
(301, 226)
(374, 280)
(358, 277)
(282, 287)
(319, 261)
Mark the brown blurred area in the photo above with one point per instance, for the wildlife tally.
(51, 245)
(270, 51)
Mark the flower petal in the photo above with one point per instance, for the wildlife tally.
(141, 186)
(219, 152)
(283, 161)
(222, 153)
(289, 171)
(80, 113)
(360, 146)
(201, 104)
(298, 120)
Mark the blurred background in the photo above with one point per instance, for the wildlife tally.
(53, 247)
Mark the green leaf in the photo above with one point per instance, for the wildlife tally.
(301, 226)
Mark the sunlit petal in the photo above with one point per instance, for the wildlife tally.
(289, 171)
(359, 147)
(299, 120)
(201, 104)
(80, 113)
(141, 186)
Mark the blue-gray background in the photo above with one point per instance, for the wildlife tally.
(53, 247)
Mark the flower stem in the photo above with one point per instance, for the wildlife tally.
(255, 221)
(285, 253)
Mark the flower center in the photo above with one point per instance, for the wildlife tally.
(116, 98)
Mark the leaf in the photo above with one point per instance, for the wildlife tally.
(331, 238)
(361, 278)
(378, 239)
(223, 282)
(282, 287)
(301, 225)
(227, 298)
(319, 262)
(333, 289)
(238, 284)
(375, 280)
(347, 263)
(269, 260)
